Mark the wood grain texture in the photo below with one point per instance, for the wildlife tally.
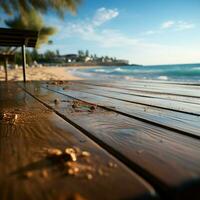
(185, 123)
(193, 100)
(190, 108)
(181, 90)
(168, 159)
(150, 81)
(22, 150)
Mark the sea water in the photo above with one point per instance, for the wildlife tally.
(181, 72)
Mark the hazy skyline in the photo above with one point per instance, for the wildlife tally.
(144, 32)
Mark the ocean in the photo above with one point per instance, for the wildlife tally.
(181, 72)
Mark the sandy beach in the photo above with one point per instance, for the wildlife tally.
(40, 73)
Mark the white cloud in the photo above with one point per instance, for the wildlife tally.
(89, 30)
(107, 38)
(181, 25)
(103, 15)
(172, 26)
(177, 25)
(112, 38)
(167, 24)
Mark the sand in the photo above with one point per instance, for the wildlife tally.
(40, 73)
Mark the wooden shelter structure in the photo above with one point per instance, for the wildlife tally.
(13, 39)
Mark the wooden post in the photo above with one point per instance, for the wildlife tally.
(5, 68)
(24, 61)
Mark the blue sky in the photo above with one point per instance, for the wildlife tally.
(142, 31)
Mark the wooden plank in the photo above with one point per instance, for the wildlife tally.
(156, 102)
(148, 88)
(151, 81)
(142, 82)
(16, 37)
(184, 123)
(184, 83)
(152, 151)
(178, 98)
(23, 159)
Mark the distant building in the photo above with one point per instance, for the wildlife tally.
(68, 58)
(121, 61)
(59, 59)
(74, 58)
(88, 59)
(108, 60)
(71, 58)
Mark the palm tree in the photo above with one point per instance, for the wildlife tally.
(60, 6)
(28, 14)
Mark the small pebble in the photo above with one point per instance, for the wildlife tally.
(111, 164)
(16, 116)
(76, 169)
(44, 173)
(69, 164)
(56, 101)
(73, 170)
(69, 150)
(100, 171)
(72, 153)
(70, 171)
(89, 176)
(54, 152)
(28, 174)
(85, 154)
(115, 165)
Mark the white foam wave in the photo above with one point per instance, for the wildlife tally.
(119, 69)
(100, 70)
(196, 68)
(163, 78)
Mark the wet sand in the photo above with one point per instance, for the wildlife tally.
(41, 73)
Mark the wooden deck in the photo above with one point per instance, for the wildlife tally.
(138, 140)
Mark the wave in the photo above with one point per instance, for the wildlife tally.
(163, 78)
(190, 72)
(110, 70)
(119, 69)
(100, 70)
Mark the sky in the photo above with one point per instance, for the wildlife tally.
(145, 32)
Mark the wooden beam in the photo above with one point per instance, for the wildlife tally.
(5, 68)
(24, 62)
(13, 37)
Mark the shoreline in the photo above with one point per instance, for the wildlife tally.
(42, 73)
(45, 73)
